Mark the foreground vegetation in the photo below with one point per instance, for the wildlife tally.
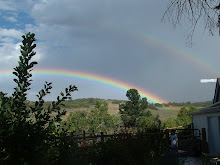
(28, 133)
(34, 132)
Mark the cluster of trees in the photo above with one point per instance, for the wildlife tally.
(98, 120)
(196, 104)
(158, 105)
(117, 101)
(182, 118)
(80, 103)
(133, 114)
(152, 106)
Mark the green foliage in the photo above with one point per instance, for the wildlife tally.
(170, 122)
(98, 119)
(158, 105)
(27, 132)
(196, 104)
(132, 109)
(77, 121)
(116, 101)
(101, 120)
(166, 105)
(69, 104)
(149, 123)
(81, 103)
(182, 118)
(152, 106)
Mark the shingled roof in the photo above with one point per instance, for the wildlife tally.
(217, 92)
(212, 109)
(216, 102)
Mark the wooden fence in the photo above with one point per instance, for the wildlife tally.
(87, 138)
(187, 138)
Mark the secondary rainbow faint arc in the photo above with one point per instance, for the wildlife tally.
(169, 47)
(91, 77)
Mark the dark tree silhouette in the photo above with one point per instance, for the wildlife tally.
(192, 12)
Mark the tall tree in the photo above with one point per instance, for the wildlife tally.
(132, 109)
(183, 117)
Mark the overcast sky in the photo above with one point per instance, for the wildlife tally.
(120, 39)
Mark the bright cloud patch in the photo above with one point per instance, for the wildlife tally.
(9, 53)
(12, 33)
(10, 47)
(11, 19)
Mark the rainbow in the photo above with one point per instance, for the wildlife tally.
(177, 51)
(145, 38)
(171, 48)
(90, 77)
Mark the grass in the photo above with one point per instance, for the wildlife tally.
(113, 108)
(164, 112)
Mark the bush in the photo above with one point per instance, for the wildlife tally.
(98, 120)
(151, 106)
(29, 133)
(116, 102)
(158, 105)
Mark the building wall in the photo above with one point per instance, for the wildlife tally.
(201, 121)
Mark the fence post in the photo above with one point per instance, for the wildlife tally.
(204, 141)
(193, 129)
(84, 135)
(203, 134)
(102, 137)
(93, 134)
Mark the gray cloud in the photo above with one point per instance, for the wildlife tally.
(123, 39)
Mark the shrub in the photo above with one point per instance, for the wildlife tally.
(29, 133)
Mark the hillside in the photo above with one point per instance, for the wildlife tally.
(165, 111)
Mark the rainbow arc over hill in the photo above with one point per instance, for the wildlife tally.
(100, 79)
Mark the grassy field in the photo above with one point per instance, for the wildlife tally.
(164, 112)
(88, 104)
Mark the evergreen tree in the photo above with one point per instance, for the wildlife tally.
(132, 109)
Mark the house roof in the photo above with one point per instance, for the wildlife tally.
(212, 109)
(217, 91)
(216, 102)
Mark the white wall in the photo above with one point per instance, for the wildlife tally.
(201, 121)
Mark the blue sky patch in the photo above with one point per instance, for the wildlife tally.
(15, 20)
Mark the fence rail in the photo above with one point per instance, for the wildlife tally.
(86, 137)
